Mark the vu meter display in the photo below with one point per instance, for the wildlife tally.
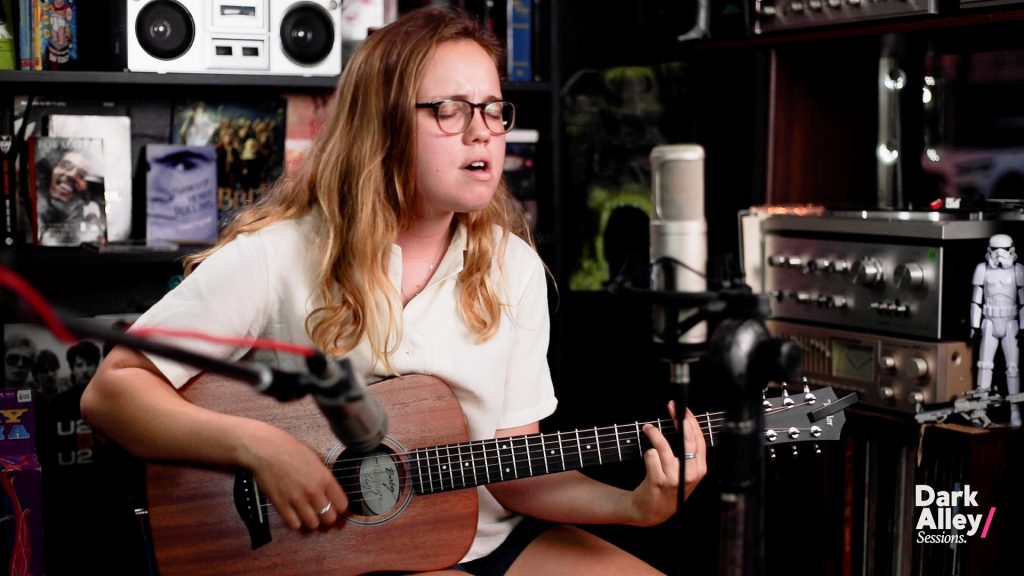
(853, 361)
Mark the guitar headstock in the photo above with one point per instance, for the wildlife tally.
(804, 417)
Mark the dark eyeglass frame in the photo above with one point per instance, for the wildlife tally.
(435, 105)
(21, 360)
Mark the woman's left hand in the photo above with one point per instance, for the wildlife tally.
(656, 499)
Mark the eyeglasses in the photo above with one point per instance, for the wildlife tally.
(14, 360)
(455, 116)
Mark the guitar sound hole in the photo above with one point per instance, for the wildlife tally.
(373, 481)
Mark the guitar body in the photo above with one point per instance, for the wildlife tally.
(196, 514)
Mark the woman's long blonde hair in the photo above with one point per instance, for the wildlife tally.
(359, 176)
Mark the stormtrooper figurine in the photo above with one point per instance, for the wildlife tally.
(996, 309)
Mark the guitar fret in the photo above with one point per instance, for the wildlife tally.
(417, 471)
(618, 443)
(440, 468)
(561, 451)
(544, 453)
(430, 471)
(461, 465)
(529, 460)
(515, 455)
(487, 470)
(451, 473)
(597, 443)
(512, 456)
(587, 448)
(472, 459)
(711, 436)
(579, 448)
(639, 440)
(502, 468)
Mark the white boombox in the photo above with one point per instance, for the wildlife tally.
(295, 37)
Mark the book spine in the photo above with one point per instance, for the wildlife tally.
(520, 22)
(31, 192)
(25, 34)
(9, 185)
(37, 40)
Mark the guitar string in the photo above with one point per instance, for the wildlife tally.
(451, 482)
(604, 443)
(601, 436)
(516, 459)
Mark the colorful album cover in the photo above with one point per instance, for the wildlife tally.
(21, 500)
(79, 499)
(249, 142)
(116, 133)
(67, 190)
(306, 115)
(181, 193)
(58, 34)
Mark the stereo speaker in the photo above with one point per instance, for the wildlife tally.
(277, 37)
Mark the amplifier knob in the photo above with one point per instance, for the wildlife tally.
(887, 392)
(909, 276)
(776, 260)
(839, 302)
(795, 262)
(887, 362)
(840, 266)
(867, 271)
(820, 264)
(917, 367)
(916, 397)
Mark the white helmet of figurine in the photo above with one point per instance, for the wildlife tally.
(1001, 253)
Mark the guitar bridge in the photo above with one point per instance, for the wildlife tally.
(252, 509)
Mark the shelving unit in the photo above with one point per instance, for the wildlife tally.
(538, 106)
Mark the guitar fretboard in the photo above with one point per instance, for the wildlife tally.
(456, 466)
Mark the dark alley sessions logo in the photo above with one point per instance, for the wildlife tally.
(947, 517)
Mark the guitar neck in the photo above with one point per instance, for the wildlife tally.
(456, 466)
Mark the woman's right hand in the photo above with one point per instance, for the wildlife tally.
(293, 477)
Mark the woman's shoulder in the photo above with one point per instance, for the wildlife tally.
(517, 250)
(284, 235)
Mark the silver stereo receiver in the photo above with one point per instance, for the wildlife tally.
(892, 373)
(905, 274)
(774, 15)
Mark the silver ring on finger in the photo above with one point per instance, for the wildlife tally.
(324, 510)
(689, 455)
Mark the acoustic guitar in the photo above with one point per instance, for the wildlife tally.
(410, 508)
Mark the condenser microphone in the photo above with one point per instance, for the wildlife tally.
(355, 416)
(679, 244)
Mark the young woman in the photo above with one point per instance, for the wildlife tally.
(398, 245)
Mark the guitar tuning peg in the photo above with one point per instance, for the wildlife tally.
(786, 400)
(817, 449)
(764, 400)
(796, 451)
(771, 454)
(808, 396)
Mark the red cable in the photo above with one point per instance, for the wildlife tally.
(19, 286)
(262, 343)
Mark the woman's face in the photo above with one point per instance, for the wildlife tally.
(457, 172)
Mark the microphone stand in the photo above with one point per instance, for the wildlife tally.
(326, 385)
(739, 346)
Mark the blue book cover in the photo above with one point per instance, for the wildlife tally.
(519, 38)
(181, 193)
